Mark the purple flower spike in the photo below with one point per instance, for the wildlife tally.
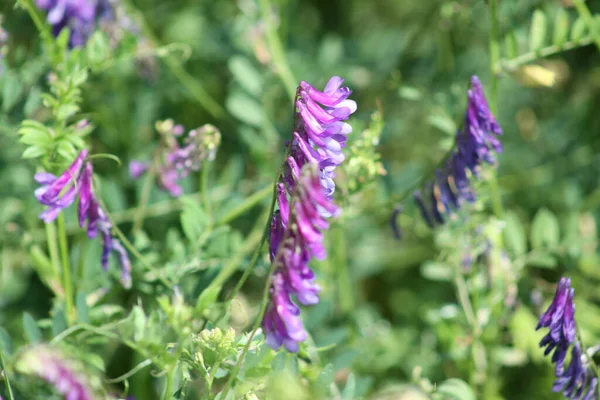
(59, 371)
(577, 378)
(59, 193)
(297, 227)
(476, 144)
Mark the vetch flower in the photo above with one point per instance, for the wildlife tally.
(476, 144)
(64, 374)
(82, 17)
(175, 161)
(577, 378)
(304, 199)
(60, 192)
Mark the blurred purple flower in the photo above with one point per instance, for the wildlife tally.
(476, 144)
(560, 319)
(59, 371)
(3, 41)
(82, 17)
(60, 192)
(137, 168)
(297, 227)
(176, 161)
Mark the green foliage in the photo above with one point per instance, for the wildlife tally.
(446, 314)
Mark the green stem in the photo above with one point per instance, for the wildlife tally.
(53, 248)
(66, 269)
(526, 58)
(168, 391)
(192, 85)
(259, 318)
(144, 198)
(493, 98)
(494, 55)
(6, 379)
(276, 48)
(204, 177)
(131, 372)
(585, 13)
(256, 254)
(37, 21)
(248, 204)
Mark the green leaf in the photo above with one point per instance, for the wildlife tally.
(454, 389)
(207, 297)
(537, 33)
(511, 46)
(524, 337)
(323, 382)
(82, 307)
(97, 49)
(11, 91)
(436, 271)
(59, 322)
(246, 109)
(545, 230)
(410, 93)
(542, 261)
(32, 332)
(578, 30)
(33, 152)
(6, 345)
(194, 220)
(561, 28)
(514, 234)
(247, 76)
(350, 388)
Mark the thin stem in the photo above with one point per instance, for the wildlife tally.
(6, 379)
(494, 55)
(276, 48)
(168, 391)
(526, 58)
(585, 13)
(131, 372)
(257, 252)
(53, 247)
(259, 318)
(37, 21)
(66, 268)
(246, 205)
(192, 85)
(204, 176)
(144, 198)
(493, 98)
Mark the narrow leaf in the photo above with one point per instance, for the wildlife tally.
(561, 28)
(32, 332)
(537, 34)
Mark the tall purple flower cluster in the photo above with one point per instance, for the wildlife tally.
(559, 318)
(304, 198)
(59, 371)
(174, 161)
(476, 144)
(58, 193)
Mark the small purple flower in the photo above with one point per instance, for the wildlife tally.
(476, 144)
(60, 192)
(52, 366)
(176, 161)
(137, 168)
(573, 380)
